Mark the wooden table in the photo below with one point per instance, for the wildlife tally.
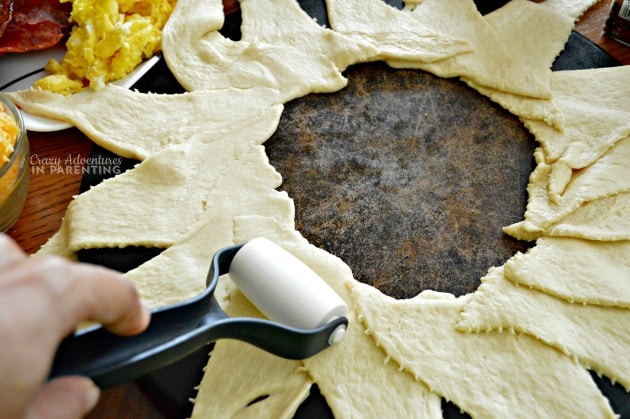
(51, 190)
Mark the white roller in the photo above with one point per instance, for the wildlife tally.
(282, 287)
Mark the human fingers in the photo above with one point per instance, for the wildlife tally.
(10, 252)
(77, 292)
(109, 299)
(64, 398)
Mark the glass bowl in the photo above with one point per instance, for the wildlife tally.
(14, 173)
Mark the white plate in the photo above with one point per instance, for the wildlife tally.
(20, 71)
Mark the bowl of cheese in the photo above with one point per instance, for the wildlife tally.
(14, 164)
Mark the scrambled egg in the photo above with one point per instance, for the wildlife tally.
(110, 38)
(8, 134)
(9, 131)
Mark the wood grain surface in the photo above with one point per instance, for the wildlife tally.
(51, 190)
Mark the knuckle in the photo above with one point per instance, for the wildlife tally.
(52, 272)
(130, 291)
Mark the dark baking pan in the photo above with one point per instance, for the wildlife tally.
(405, 176)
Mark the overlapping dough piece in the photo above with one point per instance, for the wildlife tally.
(535, 52)
(137, 125)
(353, 375)
(576, 270)
(598, 337)
(604, 219)
(310, 60)
(156, 202)
(538, 50)
(501, 58)
(180, 271)
(596, 113)
(606, 177)
(393, 33)
(527, 107)
(275, 387)
(284, 23)
(494, 375)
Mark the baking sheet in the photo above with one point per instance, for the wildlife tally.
(410, 178)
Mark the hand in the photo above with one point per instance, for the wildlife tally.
(42, 299)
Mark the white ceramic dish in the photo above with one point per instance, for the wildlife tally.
(20, 71)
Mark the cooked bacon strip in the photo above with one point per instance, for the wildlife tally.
(6, 11)
(35, 24)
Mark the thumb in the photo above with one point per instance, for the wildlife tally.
(64, 398)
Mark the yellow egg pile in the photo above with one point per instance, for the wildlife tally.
(109, 39)
(8, 134)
